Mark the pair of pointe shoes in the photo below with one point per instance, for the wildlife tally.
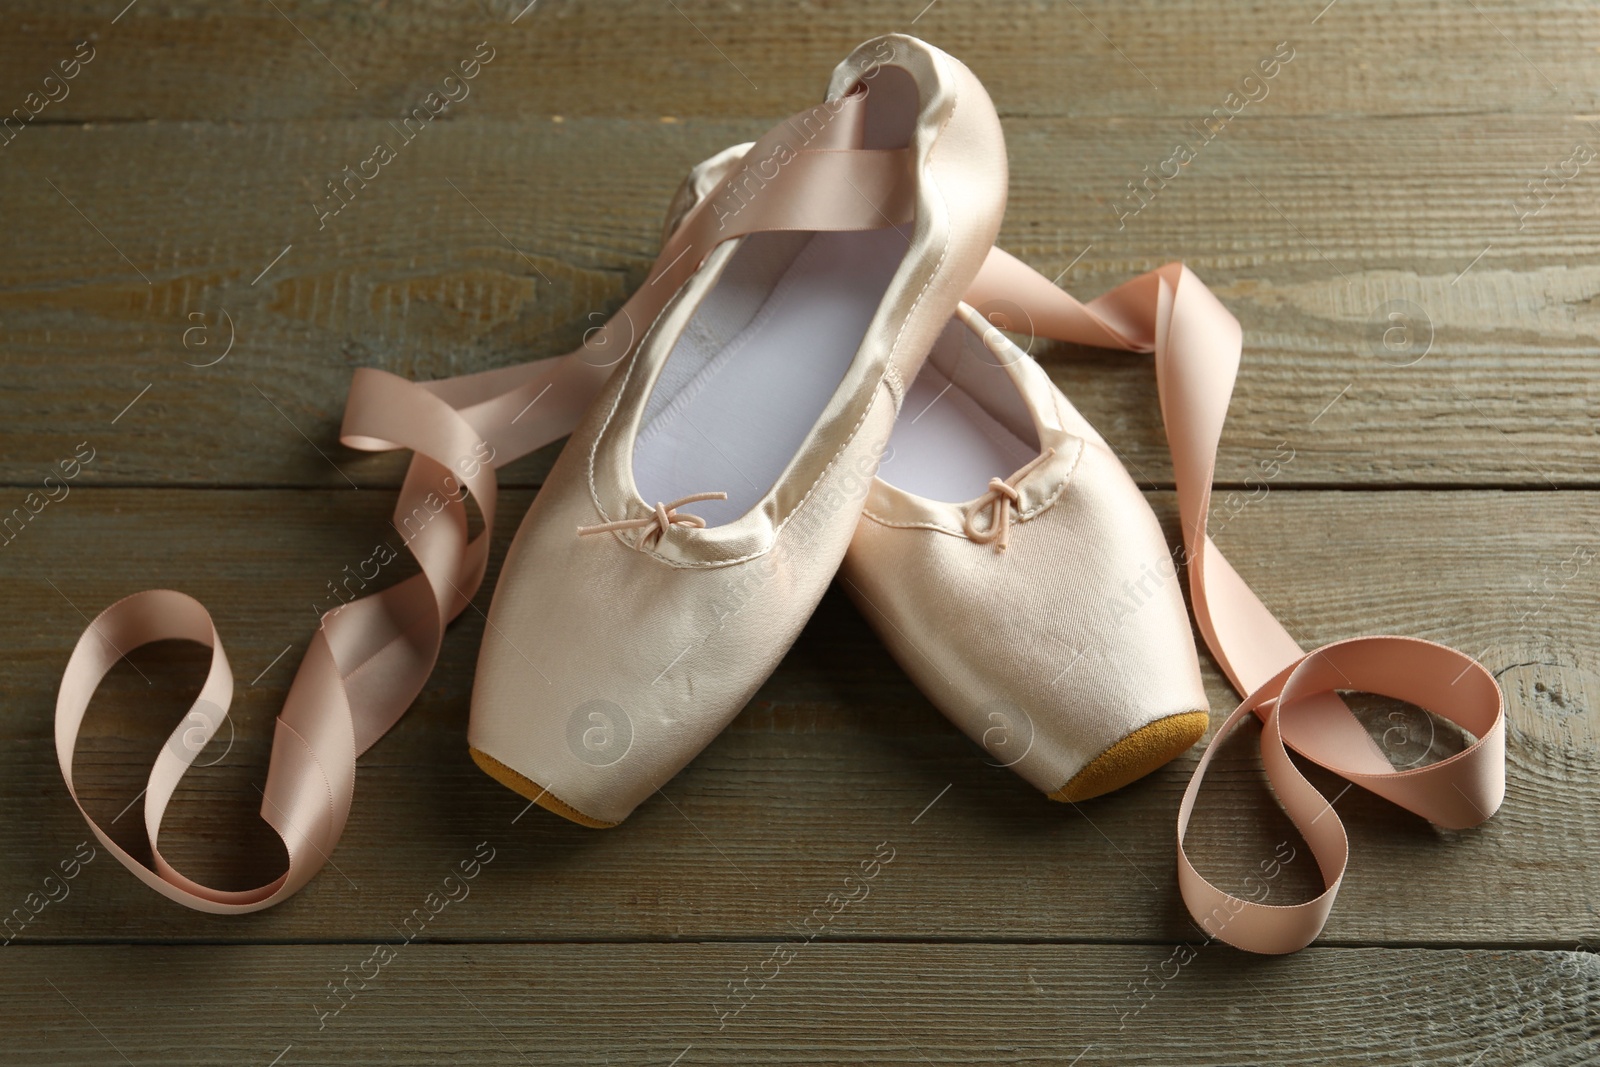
(799, 390)
(802, 393)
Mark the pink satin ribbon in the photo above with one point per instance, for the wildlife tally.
(370, 658)
(1197, 343)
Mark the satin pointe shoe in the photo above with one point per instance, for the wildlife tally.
(1065, 652)
(1016, 573)
(706, 498)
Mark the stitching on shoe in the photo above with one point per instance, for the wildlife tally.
(1022, 516)
(805, 499)
(897, 387)
(881, 521)
(944, 251)
(1066, 478)
(622, 388)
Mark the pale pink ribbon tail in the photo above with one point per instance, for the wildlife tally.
(370, 658)
(1197, 343)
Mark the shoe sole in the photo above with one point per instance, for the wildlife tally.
(525, 786)
(1133, 757)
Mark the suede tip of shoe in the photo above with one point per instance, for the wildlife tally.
(1135, 756)
(527, 787)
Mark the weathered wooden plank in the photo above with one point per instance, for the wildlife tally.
(836, 754)
(487, 242)
(242, 61)
(1386, 169)
(823, 1004)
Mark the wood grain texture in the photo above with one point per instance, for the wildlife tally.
(1419, 330)
(836, 753)
(486, 243)
(236, 60)
(828, 1004)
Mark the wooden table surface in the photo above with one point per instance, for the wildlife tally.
(1405, 220)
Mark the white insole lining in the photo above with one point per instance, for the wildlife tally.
(753, 370)
(945, 446)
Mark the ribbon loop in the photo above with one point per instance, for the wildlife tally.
(1197, 345)
(370, 657)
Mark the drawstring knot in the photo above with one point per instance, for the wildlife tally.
(658, 522)
(999, 501)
